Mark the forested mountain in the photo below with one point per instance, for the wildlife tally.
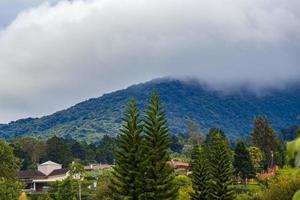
(233, 112)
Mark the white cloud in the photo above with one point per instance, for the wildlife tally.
(53, 56)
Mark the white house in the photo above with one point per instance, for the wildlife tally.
(48, 172)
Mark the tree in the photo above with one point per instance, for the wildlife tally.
(175, 145)
(103, 191)
(58, 151)
(220, 168)
(265, 138)
(10, 189)
(159, 175)
(280, 155)
(77, 172)
(66, 189)
(127, 175)
(33, 147)
(195, 137)
(23, 156)
(200, 175)
(256, 157)
(242, 162)
(211, 134)
(9, 163)
(9, 166)
(104, 151)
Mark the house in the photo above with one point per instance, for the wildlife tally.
(38, 180)
(180, 167)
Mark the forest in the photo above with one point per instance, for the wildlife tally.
(262, 166)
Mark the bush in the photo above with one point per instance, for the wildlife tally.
(281, 187)
(245, 196)
(184, 184)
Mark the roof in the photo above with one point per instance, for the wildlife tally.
(58, 172)
(35, 174)
(179, 164)
(49, 163)
(31, 174)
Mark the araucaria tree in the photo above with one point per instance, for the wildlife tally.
(243, 166)
(159, 175)
(200, 175)
(128, 174)
(221, 169)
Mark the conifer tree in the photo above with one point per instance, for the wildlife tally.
(127, 174)
(243, 166)
(221, 169)
(200, 175)
(265, 138)
(159, 175)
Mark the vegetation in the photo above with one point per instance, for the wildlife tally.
(127, 181)
(201, 174)
(159, 175)
(62, 151)
(293, 149)
(92, 119)
(265, 138)
(141, 152)
(242, 163)
(281, 187)
(10, 188)
(220, 168)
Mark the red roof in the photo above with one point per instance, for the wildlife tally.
(179, 164)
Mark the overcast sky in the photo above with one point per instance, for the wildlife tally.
(55, 54)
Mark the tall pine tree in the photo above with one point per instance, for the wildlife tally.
(200, 175)
(159, 175)
(243, 166)
(127, 174)
(220, 168)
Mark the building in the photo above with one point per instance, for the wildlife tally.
(180, 167)
(46, 173)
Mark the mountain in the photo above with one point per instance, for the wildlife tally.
(233, 112)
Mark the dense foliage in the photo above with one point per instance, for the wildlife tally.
(201, 174)
(62, 151)
(221, 168)
(234, 112)
(242, 163)
(281, 187)
(159, 175)
(265, 138)
(10, 188)
(127, 182)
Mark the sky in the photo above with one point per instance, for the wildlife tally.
(54, 54)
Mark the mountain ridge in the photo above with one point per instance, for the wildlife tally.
(233, 112)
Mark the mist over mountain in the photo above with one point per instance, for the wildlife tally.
(233, 112)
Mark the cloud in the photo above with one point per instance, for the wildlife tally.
(54, 55)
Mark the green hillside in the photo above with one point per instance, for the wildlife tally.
(233, 113)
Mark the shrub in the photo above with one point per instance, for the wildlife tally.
(281, 187)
